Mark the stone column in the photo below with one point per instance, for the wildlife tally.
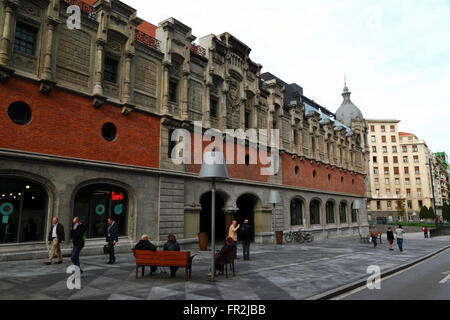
(9, 8)
(99, 61)
(192, 221)
(47, 82)
(103, 8)
(264, 222)
(207, 106)
(184, 92)
(165, 104)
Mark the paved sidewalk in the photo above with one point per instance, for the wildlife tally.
(288, 272)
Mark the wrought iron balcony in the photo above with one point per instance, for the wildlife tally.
(195, 48)
(84, 7)
(147, 40)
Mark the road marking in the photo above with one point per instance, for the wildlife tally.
(345, 295)
(446, 279)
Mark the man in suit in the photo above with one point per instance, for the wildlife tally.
(56, 238)
(112, 239)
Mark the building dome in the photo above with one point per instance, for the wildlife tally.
(348, 111)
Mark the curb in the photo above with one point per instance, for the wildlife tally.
(360, 283)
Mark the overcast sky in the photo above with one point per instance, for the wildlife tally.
(395, 53)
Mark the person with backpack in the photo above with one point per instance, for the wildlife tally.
(79, 233)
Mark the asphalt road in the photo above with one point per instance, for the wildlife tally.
(429, 280)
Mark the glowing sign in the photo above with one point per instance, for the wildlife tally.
(6, 209)
(100, 209)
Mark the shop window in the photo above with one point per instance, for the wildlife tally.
(25, 39)
(343, 212)
(95, 204)
(109, 131)
(314, 212)
(23, 211)
(20, 113)
(330, 212)
(296, 212)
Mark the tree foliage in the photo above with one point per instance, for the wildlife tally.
(424, 213)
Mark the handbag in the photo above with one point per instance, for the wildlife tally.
(106, 249)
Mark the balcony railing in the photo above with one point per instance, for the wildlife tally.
(83, 7)
(147, 40)
(195, 48)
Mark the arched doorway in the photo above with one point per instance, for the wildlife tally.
(23, 211)
(246, 211)
(205, 216)
(96, 203)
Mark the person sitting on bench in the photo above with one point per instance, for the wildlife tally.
(172, 245)
(146, 245)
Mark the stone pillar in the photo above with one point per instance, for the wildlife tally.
(165, 104)
(103, 8)
(184, 92)
(9, 8)
(192, 221)
(47, 82)
(207, 104)
(264, 223)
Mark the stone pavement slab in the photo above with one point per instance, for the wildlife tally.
(288, 272)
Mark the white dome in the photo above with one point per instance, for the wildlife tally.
(348, 111)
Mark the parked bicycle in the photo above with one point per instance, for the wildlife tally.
(298, 236)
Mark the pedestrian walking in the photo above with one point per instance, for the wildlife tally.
(56, 238)
(172, 245)
(79, 232)
(374, 235)
(400, 234)
(146, 245)
(391, 238)
(425, 231)
(112, 238)
(246, 238)
(233, 235)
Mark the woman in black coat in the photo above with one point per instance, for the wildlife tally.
(172, 245)
(391, 238)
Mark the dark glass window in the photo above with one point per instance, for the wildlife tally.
(330, 212)
(19, 113)
(354, 215)
(247, 120)
(173, 88)
(23, 211)
(25, 39)
(343, 212)
(296, 212)
(111, 70)
(95, 204)
(213, 108)
(314, 212)
(109, 131)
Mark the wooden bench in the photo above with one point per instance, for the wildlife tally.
(164, 259)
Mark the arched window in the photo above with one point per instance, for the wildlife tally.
(314, 212)
(296, 212)
(96, 203)
(23, 207)
(343, 212)
(330, 212)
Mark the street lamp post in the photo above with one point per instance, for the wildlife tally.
(213, 169)
(274, 199)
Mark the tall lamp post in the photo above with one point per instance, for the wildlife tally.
(274, 199)
(213, 169)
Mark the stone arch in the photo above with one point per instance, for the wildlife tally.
(315, 211)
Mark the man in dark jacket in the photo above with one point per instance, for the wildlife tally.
(225, 254)
(112, 238)
(146, 245)
(79, 233)
(246, 238)
(56, 237)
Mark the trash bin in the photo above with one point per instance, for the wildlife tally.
(203, 241)
(279, 235)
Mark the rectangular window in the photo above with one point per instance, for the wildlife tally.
(408, 192)
(419, 193)
(397, 181)
(394, 149)
(418, 181)
(378, 192)
(110, 70)
(392, 128)
(375, 160)
(417, 169)
(213, 108)
(416, 159)
(375, 170)
(405, 149)
(388, 192)
(387, 181)
(384, 149)
(374, 149)
(420, 203)
(383, 139)
(374, 139)
(393, 139)
(397, 192)
(386, 160)
(405, 160)
(377, 181)
(415, 149)
(25, 39)
(173, 88)
(410, 206)
(407, 170)
(386, 170)
(395, 159)
(389, 204)
(379, 204)
(383, 128)
(407, 181)
(247, 120)
(372, 128)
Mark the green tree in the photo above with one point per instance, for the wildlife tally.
(431, 214)
(446, 212)
(424, 213)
